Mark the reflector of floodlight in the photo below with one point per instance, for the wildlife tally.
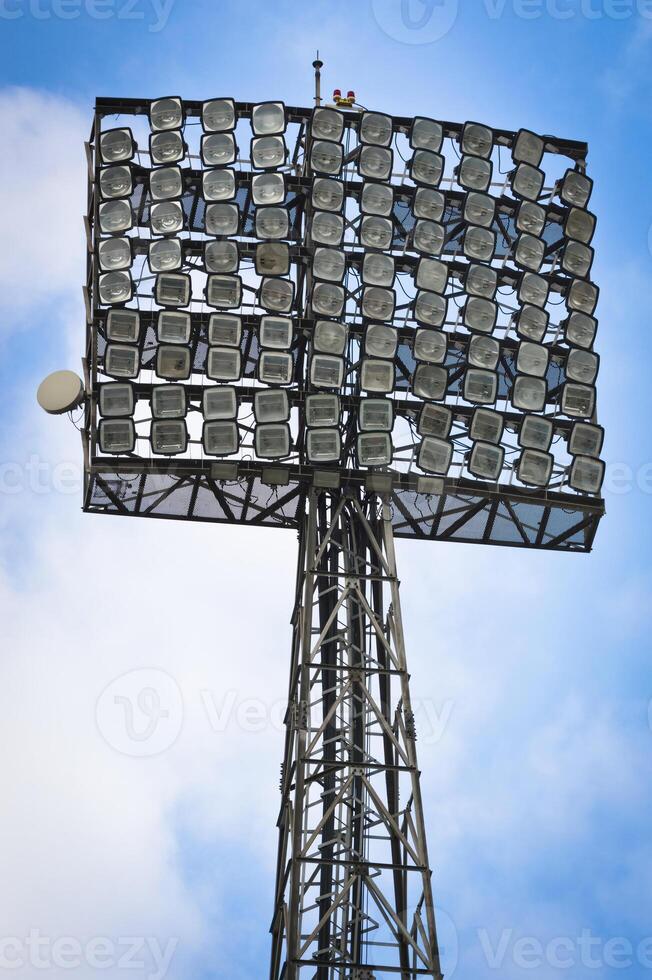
(432, 275)
(527, 182)
(527, 148)
(428, 236)
(580, 225)
(378, 303)
(376, 232)
(117, 436)
(529, 394)
(577, 400)
(428, 203)
(435, 455)
(326, 157)
(535, 433)
(378, 270)
(377, 376)
(165, 114)
(532, 322)
(585, 439)
(116, 399)
(430, 382)
(533, 289)
(276, 295)
(115, 182)
(532, 359)
(169, 402)
(376, 128)
(268, 152)
(173, 363)
(586, 474)
(275, 332)
(218, 115)
(169, 438)
(374, 449)
(479, 243)
(224, 363)
(480, 387)
(426, 134)
(430, 308)
(165, 184)
(327, 194)
(486, 461)
(476, 140)
(479, 209)
(116, 145)
(327, 299)
(222, 219)
(267, 189)
(582, 366)
(427, 168)
(164, 255)
(114, 253)
(172, 289)
(375, 163)
(375, 415)
(166, 148)
(326, 371)
(329, 337)
(271, 405)
(380, 340)
(275, 367)
(483, 352)
(219, 402)
(322, 410)
(530, 218)
(329, 264)
(115, 217)
(219, 185)
(486, 425)
(123, 326)
(529, 252)
(582, 297)
(575, 188)
(166, 218)
(221, 257)
(474, 174)
(224, 292)
(173, 327)
(323, 445)
(268, 118)
(272, 223)
(480, 314)
(218, 149)
(272, 441)
(220, 438)
(430, 346)
(115, 287)
(481, 280)
(377, 199)
(327, 228)
(577, 259)
(224, 329)
(435, 420)
(535, 468)
(272, 259)
(327, 124)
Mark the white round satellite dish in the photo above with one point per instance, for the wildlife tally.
(60, 392)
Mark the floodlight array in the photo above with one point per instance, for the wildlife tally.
(344, 290)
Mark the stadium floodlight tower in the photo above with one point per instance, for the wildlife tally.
(357, 326)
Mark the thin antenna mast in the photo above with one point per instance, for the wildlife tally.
(317, 65)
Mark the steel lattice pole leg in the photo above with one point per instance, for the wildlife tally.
(353, 889)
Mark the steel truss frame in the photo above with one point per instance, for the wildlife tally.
(353, 888)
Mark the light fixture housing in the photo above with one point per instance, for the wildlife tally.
(435, 455)
(169, 437)
(224, 363)
(220, 438)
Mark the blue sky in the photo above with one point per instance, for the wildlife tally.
(532, 671)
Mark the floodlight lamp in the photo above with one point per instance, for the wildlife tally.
(479, 209)
(116, 399)
(534, 468)
(527, 148)
(114, 253)
(377, 376)
(577, 400)
(530, 218)
(327, 228)
(375, 163)
(576, 188)
(432, 275)
(378, 270)
(428, 236)
(428, 203)
(275, 332)
(481, 280)
(220, 438)
(221, 257)
(480, 387)
(533, 289)
(430, 382)
(115, 182)
(172, 289)
(272, 441)
(272, 222)
(377, 199)
(323, 445)
(165, 255)
(329, 264)
(483, 352)
(476, 140)
(275, 367)
(219, 402)
(166, 183)
(218, 115)
(271, 405)
(430, 308)
(577, 259)
(224, 292)
(224, 364)
(167, 147)
(435, 455)
(169, 402)
(123, 326)
(480, 314)
(327, 194)
(582, 297)
(326, 371)
(276, 295)
(322, 411)
(166, 218)
(326, 157)
(329, 337)
(116, 145)
(527, 182)
(375, 415)
(479, 243)
(529, 394)
(532, 359)
(427, 168)
(268, 118)
(585, 439)
(378, 303)
(117, 436)
(222, 219)
(380, 340)
(376, 128)
(272, 259)
(435, 420)
(580, 329)
(115, 287)
(327, 299)
(115, 217)
(268, 189)
(586, 474)
(169, 438)
(532, 322)
(582, 366)
(426, 134)
(268, 152)
(173, 363)
(165, 114)
(529, 252)
(486, 425)
(173, 327)
(376, 232)
(218, 149)
(374, 449)
(486, 461)
(430, 346)
(535, 432)
(224, 329)
(327, 124)
(580, 225)
(474, 174)
(219, 185)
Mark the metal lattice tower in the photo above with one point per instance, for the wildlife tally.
(353, 892)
